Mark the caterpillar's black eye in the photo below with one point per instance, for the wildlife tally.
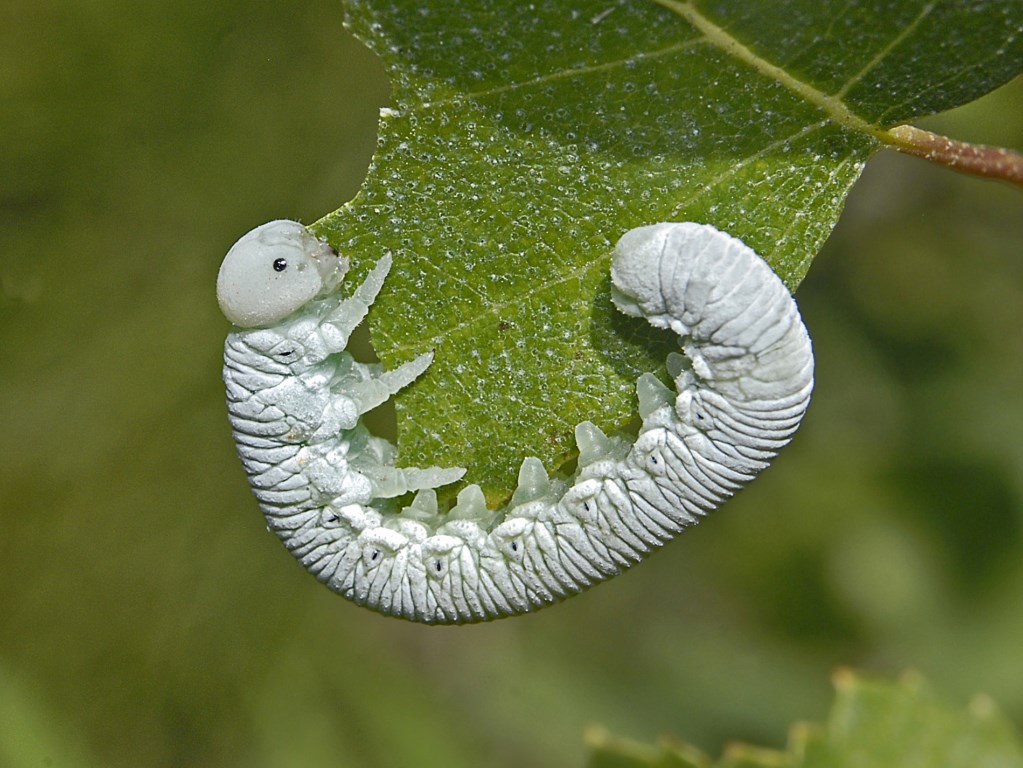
(280, 265)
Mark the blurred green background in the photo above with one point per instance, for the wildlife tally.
(147, 617)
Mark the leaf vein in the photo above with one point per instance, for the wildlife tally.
(495, 308)
(942, 84)
(566, 74)
(894, 43)
(744, 163)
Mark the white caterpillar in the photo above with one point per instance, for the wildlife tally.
(325, 485)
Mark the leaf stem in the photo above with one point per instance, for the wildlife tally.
(977, 159)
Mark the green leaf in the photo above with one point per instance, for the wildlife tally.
(607, 751)
(872, 723)
(524, 139)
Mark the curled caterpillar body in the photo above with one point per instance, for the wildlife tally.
(326, 485)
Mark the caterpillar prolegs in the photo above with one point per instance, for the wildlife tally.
(295, 398)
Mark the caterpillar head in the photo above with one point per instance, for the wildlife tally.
(273, 271)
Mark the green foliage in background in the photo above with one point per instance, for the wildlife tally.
(147, 618)
(872, 723)
(522, 142)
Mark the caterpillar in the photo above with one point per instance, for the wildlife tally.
(327, 487)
